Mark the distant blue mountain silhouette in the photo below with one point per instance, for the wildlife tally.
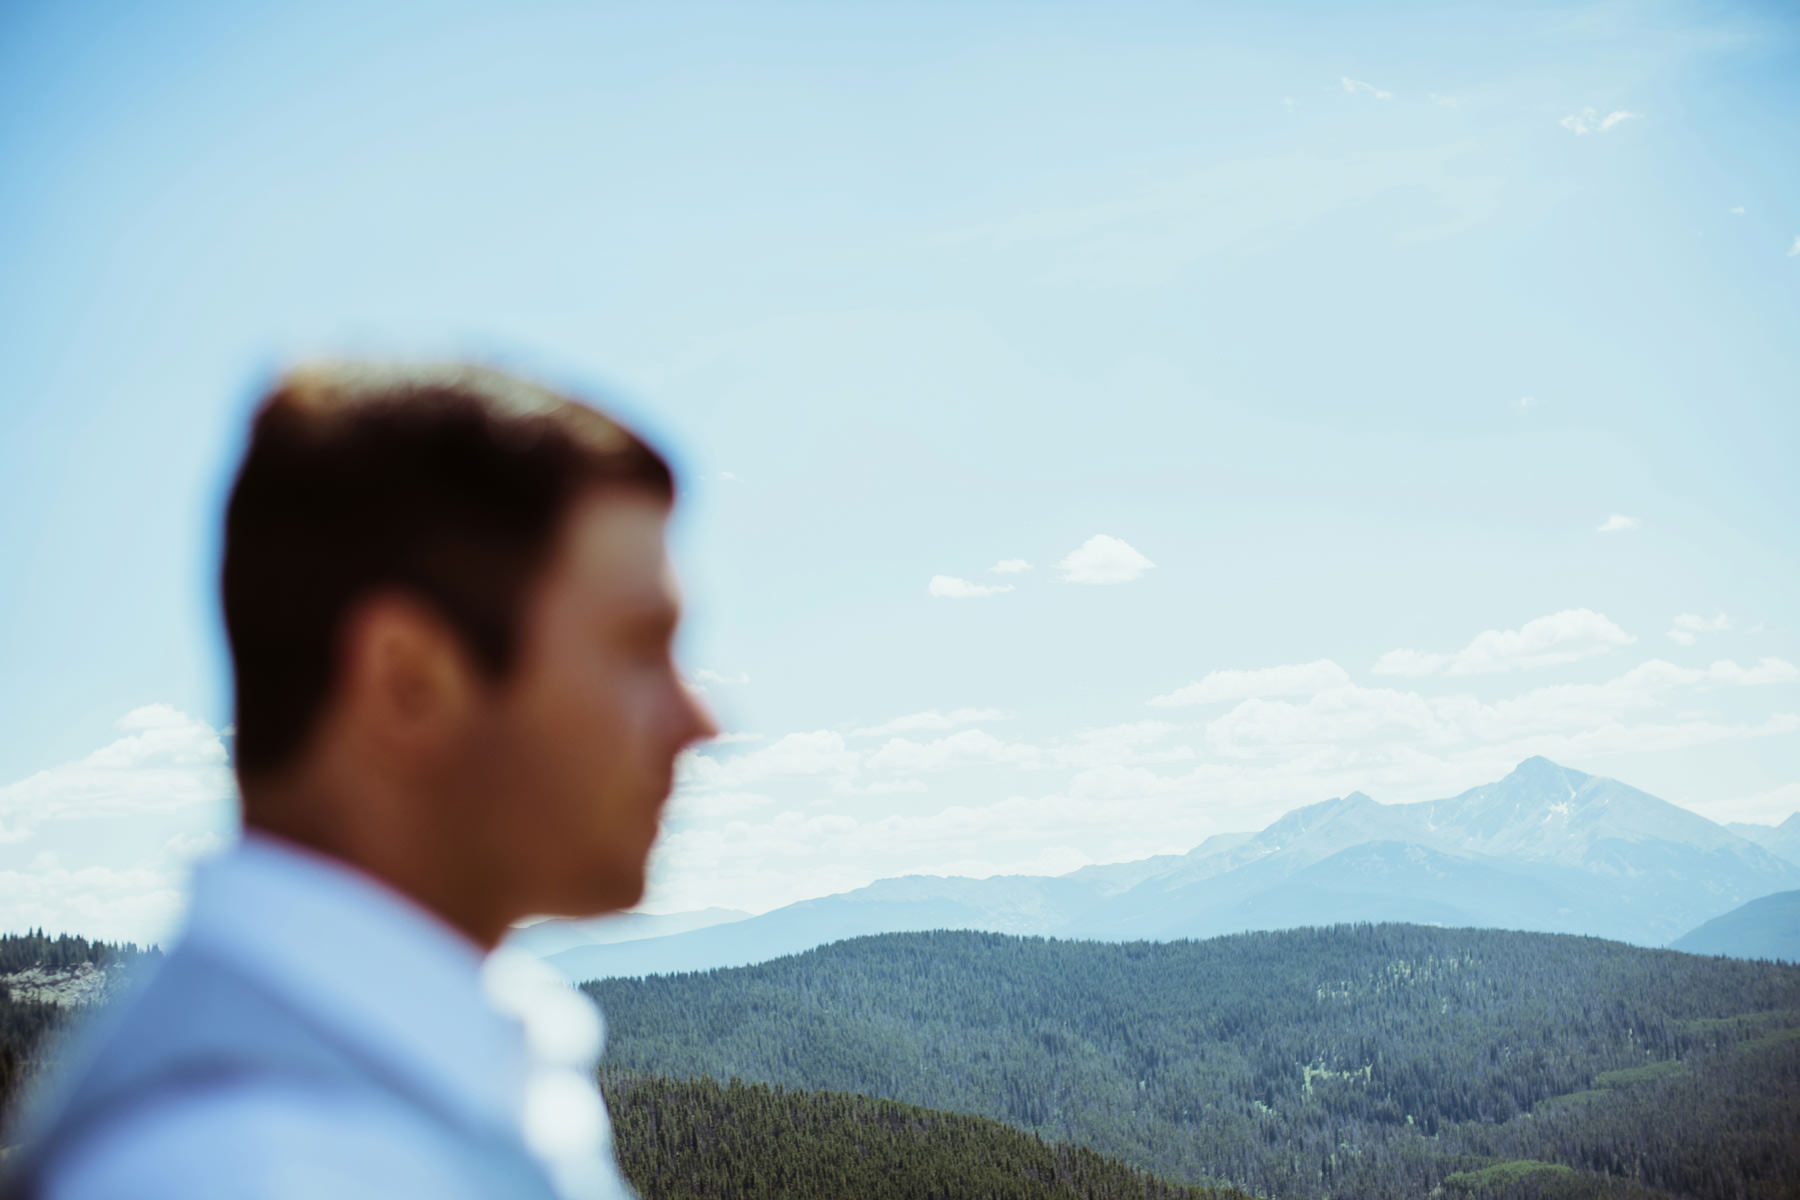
(1768, 927)
(1546, 848)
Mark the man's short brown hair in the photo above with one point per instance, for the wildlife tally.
(448, 482)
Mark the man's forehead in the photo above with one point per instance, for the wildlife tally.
(613, 547)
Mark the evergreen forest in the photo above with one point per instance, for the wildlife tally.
(1358, 1061)
(1378, 1061)
(699, 1139)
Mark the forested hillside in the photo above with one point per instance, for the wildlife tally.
(1370, 1060)
(703, 1140)
(26, 1019)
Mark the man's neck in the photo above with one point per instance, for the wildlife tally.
(450, 881)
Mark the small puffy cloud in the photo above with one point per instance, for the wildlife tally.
(1353, 86)
(1102, 559)
(1589, 121)
(1684, 628)
(1527, 402)
(1300, 679)
(1795, 248)
(1738, 211)
(1618, 523)
(932, 720)
(949, 587)
(1010, 566)
(1548, 641)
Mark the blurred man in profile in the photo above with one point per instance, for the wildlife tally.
(450, 614)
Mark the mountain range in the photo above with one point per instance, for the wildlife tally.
(1547, 848)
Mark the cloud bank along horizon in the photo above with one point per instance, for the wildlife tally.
(759, 820)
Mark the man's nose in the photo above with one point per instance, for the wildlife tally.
(701, 721)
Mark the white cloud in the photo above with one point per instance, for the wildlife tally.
(1589, 121)
(190, 846)
(1738, 211)
(1760, 808)
(1645, 686)
(1795, 248)
(1687, 625)
(1102, 559)
(166, 760)
(1617, 523)
(1413, 664)
(1010, 566)
(114, 831)
(821, 752)
(1562, 637)
(968, 747)
(949, 587)
(1131, 744)
(1359, 719)
(932, 720)
(1768, 670)
(889, 787)
(138, 904)
(1300, 679)
(1527, 402)
(1353, 86)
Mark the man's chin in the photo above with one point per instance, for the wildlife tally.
(619, 891)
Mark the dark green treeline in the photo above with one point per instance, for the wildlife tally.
(702, 1140)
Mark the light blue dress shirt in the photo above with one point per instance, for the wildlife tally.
(499, 1048)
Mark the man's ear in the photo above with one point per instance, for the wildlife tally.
(408, 687)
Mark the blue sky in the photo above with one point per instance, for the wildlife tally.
(1357, 326)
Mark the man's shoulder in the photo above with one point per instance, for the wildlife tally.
(264, 1137)
(197, 1018)
(197, 1035)
(218, 1081)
